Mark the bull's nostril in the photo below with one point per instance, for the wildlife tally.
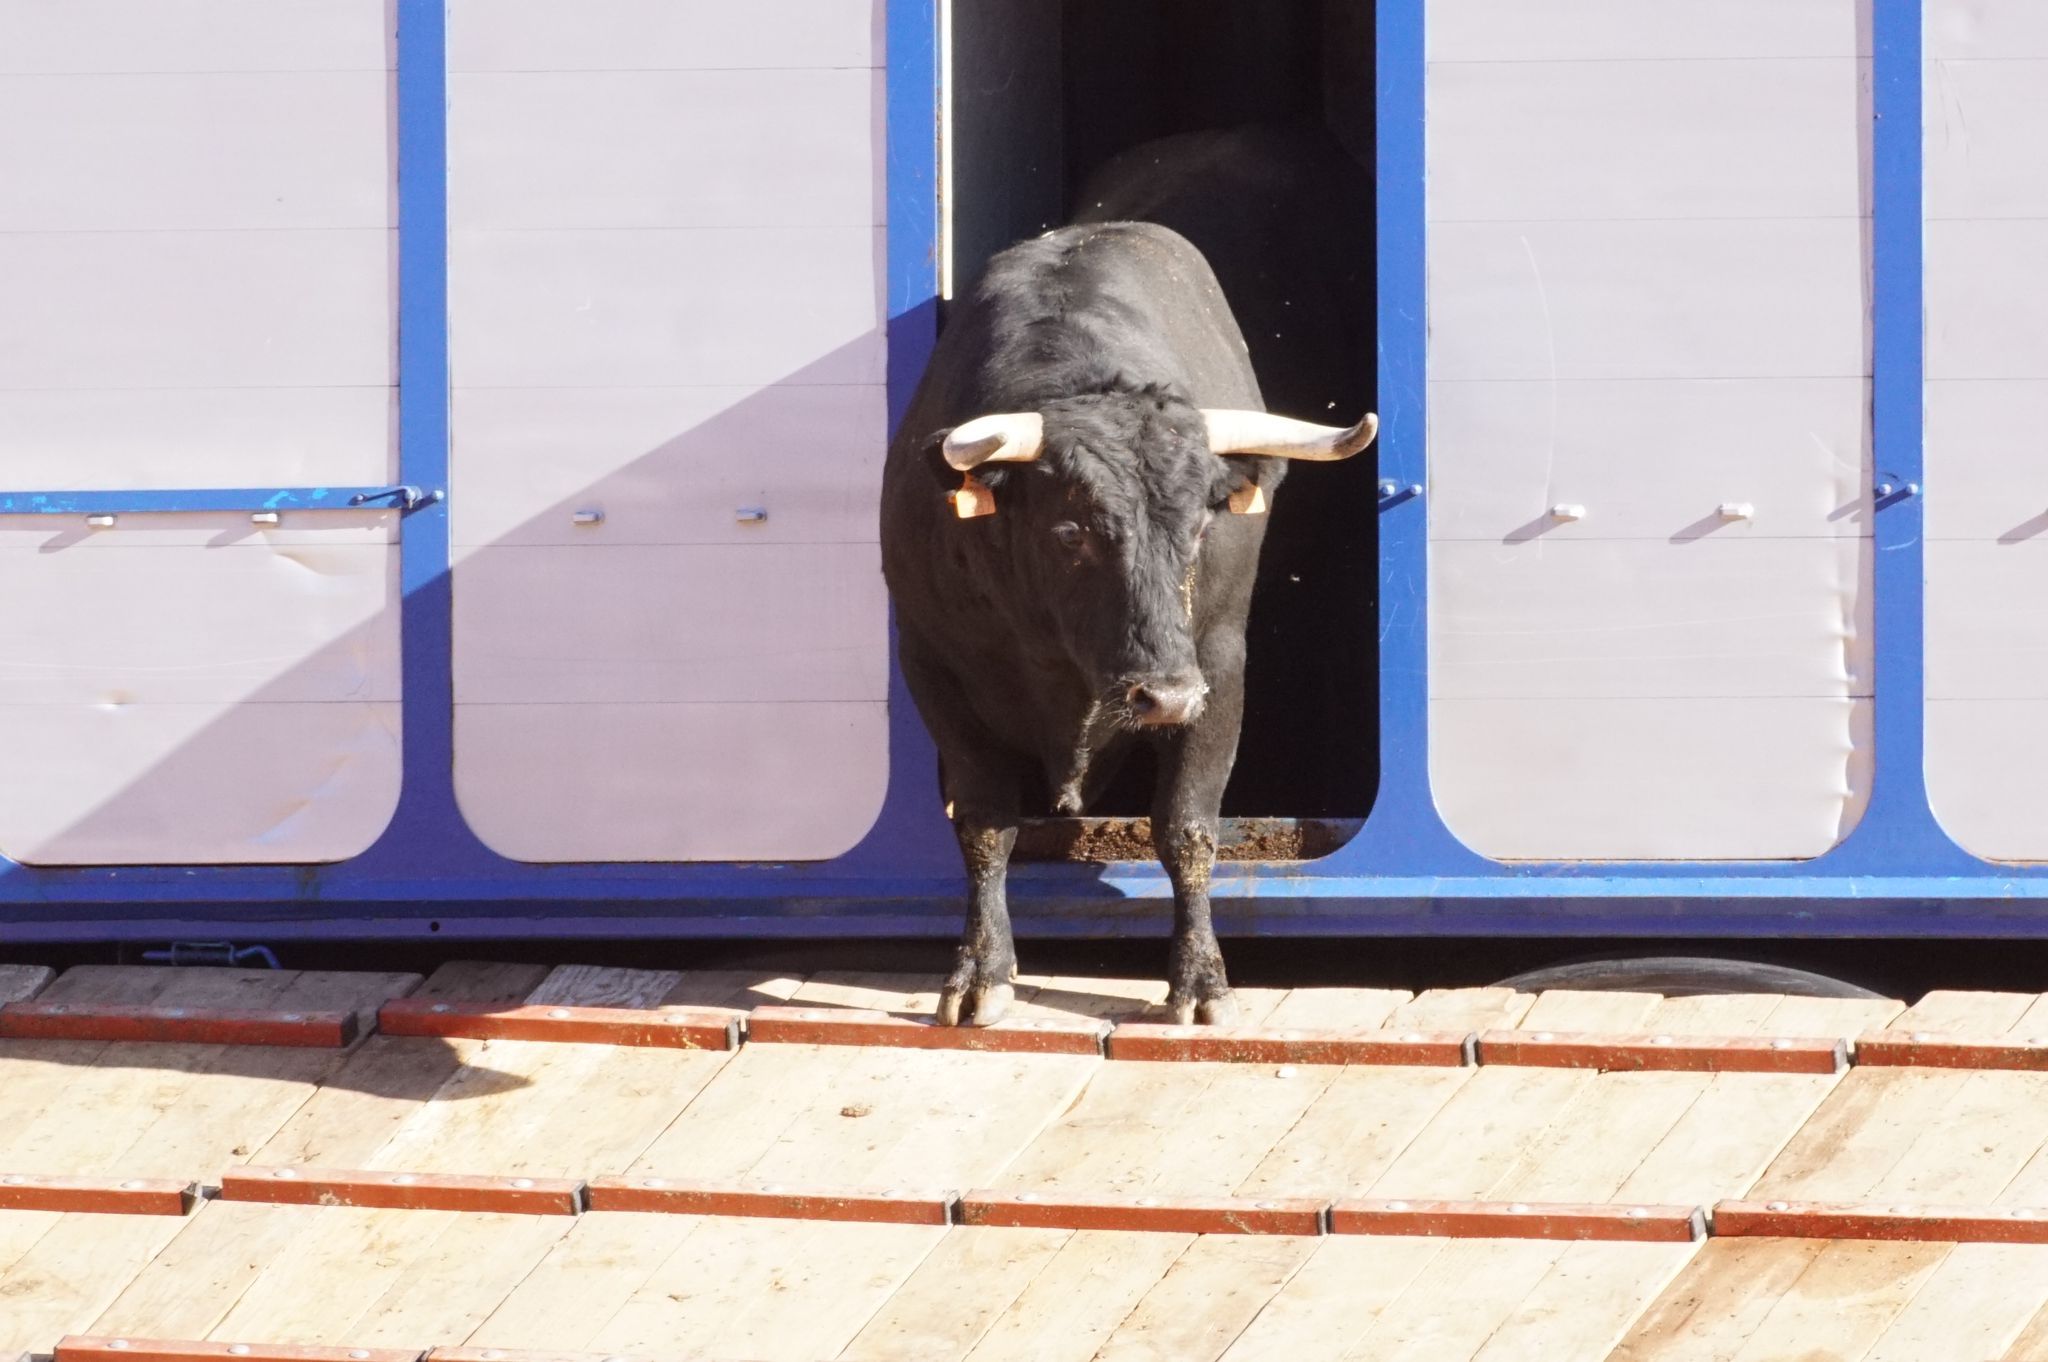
(1143, 702)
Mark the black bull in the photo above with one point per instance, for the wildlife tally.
(1105, 600)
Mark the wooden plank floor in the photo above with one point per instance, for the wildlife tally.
(909, 1119)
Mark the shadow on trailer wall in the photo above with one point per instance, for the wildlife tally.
(1049, 103)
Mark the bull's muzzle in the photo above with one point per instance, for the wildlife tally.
(1165, 703)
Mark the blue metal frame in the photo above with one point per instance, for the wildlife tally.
(1404, 873)
(188, 500)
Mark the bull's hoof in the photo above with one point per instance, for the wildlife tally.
(1220, 1010)
(974, 1004)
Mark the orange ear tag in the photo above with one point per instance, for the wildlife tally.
(1249, 499)
(973, 499)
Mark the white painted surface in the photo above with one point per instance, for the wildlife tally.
(216, 150)
(1606, 30)
(196, 253)
(664, 307)
(1992, 29)
(667, 283)
(613, 782)
(1642, 618)
(211, 309)
(200, 784)
(1650, 458)
(1648, 305)
(1987, 774)
(668, 465)
(1793, 146)
(1987, 296)
(1769, 298)
(589, 623)
(1987, 125)
(148, 36)
(1987, 438)
(736, 148)
(116, 625)
(1610, 779)
(669, 35)
(1987, 400)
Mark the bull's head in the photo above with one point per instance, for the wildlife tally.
(1105, 517)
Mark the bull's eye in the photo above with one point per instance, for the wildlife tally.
(1068, 533)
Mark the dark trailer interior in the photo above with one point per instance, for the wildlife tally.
(1044, 94)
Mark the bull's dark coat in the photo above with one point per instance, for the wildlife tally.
(1106, 563)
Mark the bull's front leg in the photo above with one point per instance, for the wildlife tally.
(979, 990)
(1194, 766)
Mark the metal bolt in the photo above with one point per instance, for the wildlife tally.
(773, 1189)
(1290, 1035)
(655, 1183)
(1543, 1035)
(440, 1007)
(1660, 1040)
(238, 1349)
(1027, 1196)
(404, 1179)
(590, 517)
(118, 1343)
(751, 515)
(1413, 1038)
(892, 1192)
(2025, 1213)
(130, 1185)
(1518, 1208)
(1737, 510)
(174, 1012)
(1921, 1037)
(265, 518)
(1637, 1213)
(1567, 510)
(558, 1014)
(285, 1173)
(358, 1352)
(1397, 1205)
(1148, 1201)
(1264, 1205)
(1285, 1071)
(13, 1180)
(1777, 1206)
(1781, 1045)
(100, 522)
(522, 1183)
(294, 1016)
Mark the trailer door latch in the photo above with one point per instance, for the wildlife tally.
(405, 497)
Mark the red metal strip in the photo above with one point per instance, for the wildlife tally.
(1265, 1045)
(830, 1026)
(1519, 1220)
(1183, 1215)
(107, 1348)
(183, 1025)
(673, 1028)
(403, 1191)
(672, 1197)
(1823, 1220)
(1921, 1049)
(1682, 1054)
(115, 1196)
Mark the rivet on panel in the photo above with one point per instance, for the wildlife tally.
(591, 517)
(751, 515)
(101, 522)
(1778, 1206)
(1737, 510)
(265, 518)
(1567, 510)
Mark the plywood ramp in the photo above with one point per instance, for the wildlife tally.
(1060, 1127)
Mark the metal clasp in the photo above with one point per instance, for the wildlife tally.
(405, 497)
(1393, 492)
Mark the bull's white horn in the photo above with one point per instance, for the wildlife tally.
(1282, 437)
(1007, 437)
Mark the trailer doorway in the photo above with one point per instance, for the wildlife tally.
(1043, 95)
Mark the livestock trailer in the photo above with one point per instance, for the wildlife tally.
(439, 443)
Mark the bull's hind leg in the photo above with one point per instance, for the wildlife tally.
(1194, 766)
